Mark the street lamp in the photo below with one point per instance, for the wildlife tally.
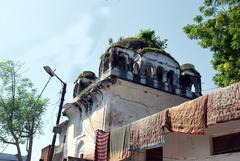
(51, 73)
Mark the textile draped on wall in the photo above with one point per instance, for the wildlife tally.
(119, 143)
(147, 132)
(224, 105)
(102, 146)
(188, 117)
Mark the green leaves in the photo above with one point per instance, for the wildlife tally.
(198, 19)
(218, 28)
(151, 39)
(20, 110)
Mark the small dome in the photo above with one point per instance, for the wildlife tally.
(189, 67)
(87, 74)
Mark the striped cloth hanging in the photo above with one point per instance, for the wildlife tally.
(101, 146)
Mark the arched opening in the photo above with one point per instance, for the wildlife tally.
(76, 90)
(170, 78)
(106, 64)
(149, 74)
(159, 75)
(193, 88)
(113, 58)
(135, 68)
(121, 63)
(136, 75)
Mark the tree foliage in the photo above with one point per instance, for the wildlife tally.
(218, 28)
(20, 108)
(151, 39)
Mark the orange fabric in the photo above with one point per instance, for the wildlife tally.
(146, 132)
(224, 105)
(188, 117)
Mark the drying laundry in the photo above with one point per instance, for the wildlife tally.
(224, 105)
(102, 146)
(119, 143)
(188, 117)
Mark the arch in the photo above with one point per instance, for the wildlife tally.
(106, 64)
(135, 68)
(159, 75)
(79, 148)
(121, 63)
(136, 72)
(149, 74)
(113, 57)
(190, 83)
(170, 81)
(148, 71)
(75, 90)
(193, 88)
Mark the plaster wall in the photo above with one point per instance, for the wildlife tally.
(129, 102)
(80, 135)
(184, 147)
(120, 104)
(198, 147)
(157, 59)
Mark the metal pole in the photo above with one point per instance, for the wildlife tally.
(57, 122)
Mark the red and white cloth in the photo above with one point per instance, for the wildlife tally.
(101, 146)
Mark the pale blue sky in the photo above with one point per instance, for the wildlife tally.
(70, 35)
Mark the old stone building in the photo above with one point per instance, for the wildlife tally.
(135, 81)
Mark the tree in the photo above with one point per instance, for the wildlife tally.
(20, 108)
(218, 28)
(151, 39)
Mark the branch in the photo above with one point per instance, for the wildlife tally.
(13, 88)
(24, 136)
(6, 142)
(9, 122)
(5, 108)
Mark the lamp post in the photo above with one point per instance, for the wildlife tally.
(51, 73)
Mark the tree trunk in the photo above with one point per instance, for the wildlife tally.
(30, 146)
(19, 155)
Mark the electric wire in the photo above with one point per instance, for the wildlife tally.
(208, 89)
(4, 148)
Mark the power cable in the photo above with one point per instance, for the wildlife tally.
(4, 148)
(208, 89)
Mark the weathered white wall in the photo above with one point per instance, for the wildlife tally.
(198, 147)
(120, 104)
(157, 59)
(130, 102)
(184, 147)
(82, 127)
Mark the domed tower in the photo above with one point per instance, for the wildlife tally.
(118, 59)
(134, 60)
(190, 81)
(136, 79)
(83, 80)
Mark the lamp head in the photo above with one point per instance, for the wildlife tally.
(49, 71)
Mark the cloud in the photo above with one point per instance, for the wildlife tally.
(71, 50)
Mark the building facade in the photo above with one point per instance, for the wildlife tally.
(136, 81)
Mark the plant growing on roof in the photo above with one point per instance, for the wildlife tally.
(151, 39)
(20, 109)
(144, 39)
